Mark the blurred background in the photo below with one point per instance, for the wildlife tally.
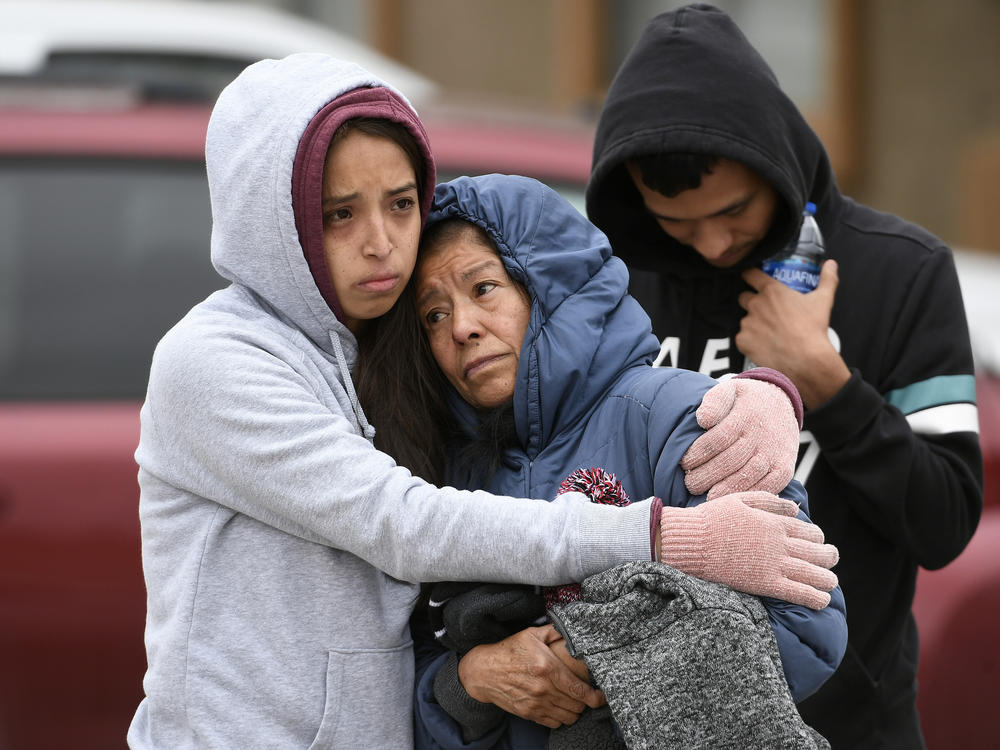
(904, 93)
(104, 244)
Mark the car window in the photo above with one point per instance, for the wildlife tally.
(98, 258)
(166, 75)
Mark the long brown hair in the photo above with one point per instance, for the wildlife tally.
(396, 380)
(402, 390)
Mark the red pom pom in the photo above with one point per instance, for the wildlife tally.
(597, 484)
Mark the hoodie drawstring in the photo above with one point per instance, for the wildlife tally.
(345, 373)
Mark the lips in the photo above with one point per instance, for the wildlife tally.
(480, 363)
(379, 283)
(732, 256)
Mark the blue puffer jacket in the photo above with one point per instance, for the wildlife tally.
(586, 396)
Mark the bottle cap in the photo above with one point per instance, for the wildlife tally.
(810, 208)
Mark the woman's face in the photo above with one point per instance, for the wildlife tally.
(371, 224)
(475, 317)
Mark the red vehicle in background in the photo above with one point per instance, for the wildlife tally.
(103, 246)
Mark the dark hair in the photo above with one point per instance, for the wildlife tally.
(402, 389)
(451, 229)
(396, 386)
(672, 173)
(390, 130)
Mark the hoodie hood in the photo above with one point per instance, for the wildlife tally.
(584, 328)
(266, 144)
(693, 83)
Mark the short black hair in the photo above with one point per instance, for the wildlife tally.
(672, 173)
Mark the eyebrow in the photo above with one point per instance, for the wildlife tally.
(479, 267)
(335, 199)
(725, 210)
(465, 276)
(427, 295)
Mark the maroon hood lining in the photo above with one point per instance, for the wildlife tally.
(307, 171)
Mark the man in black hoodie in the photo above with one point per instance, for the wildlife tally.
(702, 168)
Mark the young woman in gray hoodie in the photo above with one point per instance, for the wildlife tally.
(279, 547)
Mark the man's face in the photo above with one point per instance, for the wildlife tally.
(723, 219)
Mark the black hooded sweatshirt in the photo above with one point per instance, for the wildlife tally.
(892, 462)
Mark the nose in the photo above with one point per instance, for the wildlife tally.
(378, 243)
(465, 323)
(711, 239)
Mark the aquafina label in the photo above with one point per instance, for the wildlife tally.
(798, 265)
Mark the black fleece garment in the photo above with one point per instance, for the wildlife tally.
(892, 462)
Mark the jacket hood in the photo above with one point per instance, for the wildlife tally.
(268, 125)
(584, 328)
(693, 83)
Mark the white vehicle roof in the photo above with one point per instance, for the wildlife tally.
(31, 30)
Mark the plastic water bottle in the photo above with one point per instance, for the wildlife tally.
(799, 264)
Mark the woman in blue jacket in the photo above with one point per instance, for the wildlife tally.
(568, 367)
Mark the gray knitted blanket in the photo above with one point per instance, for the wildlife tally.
(684, 663)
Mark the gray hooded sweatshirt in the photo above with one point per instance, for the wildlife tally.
(280, 549)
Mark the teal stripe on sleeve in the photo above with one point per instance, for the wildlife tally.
(944, 389)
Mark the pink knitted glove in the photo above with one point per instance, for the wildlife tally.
(751, 542)
(752, 440)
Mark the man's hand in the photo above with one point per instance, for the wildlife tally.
(523, 676)
(787, 331)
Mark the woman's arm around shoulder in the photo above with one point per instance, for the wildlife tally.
(250, 424)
